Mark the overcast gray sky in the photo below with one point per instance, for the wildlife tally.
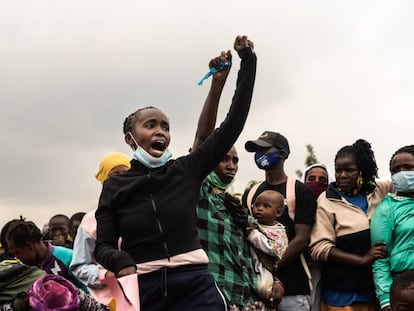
(329, 72)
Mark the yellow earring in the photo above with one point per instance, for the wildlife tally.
(360, 181)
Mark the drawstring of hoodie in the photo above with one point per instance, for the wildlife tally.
(164, 282)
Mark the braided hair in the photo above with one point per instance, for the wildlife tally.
(4, 230)
(364, 156)
(23, 231)
(130, 120)
(405, 149)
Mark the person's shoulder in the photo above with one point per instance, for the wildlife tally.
(385, 207)
(383, 187)
(391, 199)
(63, 255)
(385, 202)
(62, 252)
(88, 223)
(205, 188)
(62, 249)
(88, 218)
(299, 184)
(301, 188)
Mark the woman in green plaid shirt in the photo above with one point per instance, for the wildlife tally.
(222, 221)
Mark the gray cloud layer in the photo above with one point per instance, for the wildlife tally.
(329, 72)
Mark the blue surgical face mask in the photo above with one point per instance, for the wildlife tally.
(266, 161)
(148, 160)
(403, 181)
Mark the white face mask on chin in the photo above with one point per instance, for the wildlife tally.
(148, 160)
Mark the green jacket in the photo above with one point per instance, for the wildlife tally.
(392, 223)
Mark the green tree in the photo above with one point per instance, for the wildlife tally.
(310, 159)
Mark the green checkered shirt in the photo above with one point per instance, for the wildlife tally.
(228, 251)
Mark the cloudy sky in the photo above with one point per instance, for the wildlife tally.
(329, 72)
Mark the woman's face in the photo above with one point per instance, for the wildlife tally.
(228, 166)
(152, 131)
(317, 174)
(346, 173)
(402, 162)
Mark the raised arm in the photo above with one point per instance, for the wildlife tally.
(207, 119)
(209, 154)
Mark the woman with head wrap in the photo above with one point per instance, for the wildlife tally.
(317, 178)
(84, 265)
(112, 164)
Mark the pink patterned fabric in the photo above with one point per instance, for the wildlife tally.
(53, 292)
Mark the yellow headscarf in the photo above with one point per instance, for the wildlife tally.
(110, 161)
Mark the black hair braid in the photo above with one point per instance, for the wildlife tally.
(23, 231)
(405, 149)
(128, 123)
(130, 120)
(365, 158)
(3, 233)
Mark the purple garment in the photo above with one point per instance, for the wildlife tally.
(53, 264)
(53, 292)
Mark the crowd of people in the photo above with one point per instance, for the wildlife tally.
(327, 242)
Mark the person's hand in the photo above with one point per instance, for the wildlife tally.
(277, 293)
(386, 308)
(126, 271)
(242, 42)
(376, 251)
(252, 226)
(217, 62)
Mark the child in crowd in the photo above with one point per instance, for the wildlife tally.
(402, 292)
(74, 223)
(59, 230)
(269, 240)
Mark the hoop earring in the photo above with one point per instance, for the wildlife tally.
(360, 181)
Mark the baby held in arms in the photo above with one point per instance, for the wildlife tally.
(269, 242)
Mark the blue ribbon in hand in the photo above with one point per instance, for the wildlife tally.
(213, 70)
